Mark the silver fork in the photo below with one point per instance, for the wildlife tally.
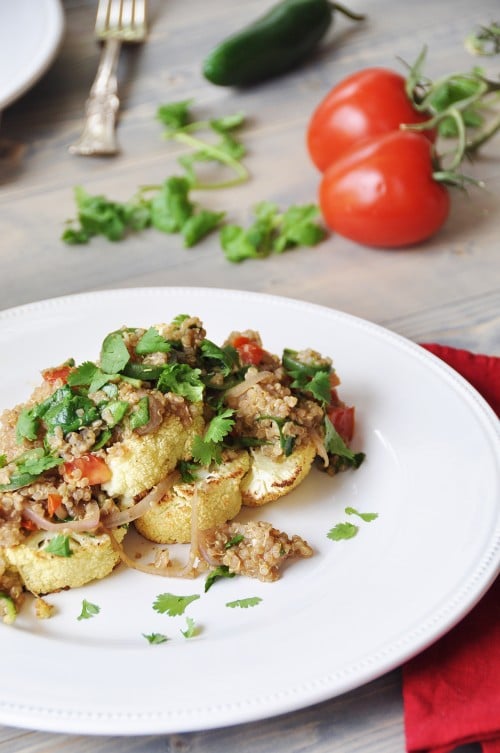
(117, 21)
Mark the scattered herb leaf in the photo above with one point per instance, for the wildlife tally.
(252, 601)
(155, 638)
(366, 516)
(342, 531)
(173, 605)
(89, 610)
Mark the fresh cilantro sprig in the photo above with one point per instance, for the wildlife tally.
(207, 449)
(308, 377)
(29, 466)
(173, 605)
(272, 232)
(166, 207)
(227, 150)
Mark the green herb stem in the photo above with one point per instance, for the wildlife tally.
(216, 154)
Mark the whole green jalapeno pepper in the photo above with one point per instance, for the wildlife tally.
(273, 44)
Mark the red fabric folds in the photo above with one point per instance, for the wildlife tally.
(451, 691)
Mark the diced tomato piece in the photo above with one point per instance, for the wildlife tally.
(29, 525)
(343, 421)
(56, 373)
(53, 503)
(249, 351)
(92, 468)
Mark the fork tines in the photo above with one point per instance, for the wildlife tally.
(122, 19)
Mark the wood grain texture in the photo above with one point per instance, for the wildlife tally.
(446, 290)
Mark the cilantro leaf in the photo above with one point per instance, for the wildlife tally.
(219, 426)
(26, 426)
(252, 601)
(89, 375)
(207, 449)
(59, 545)
(89, 610)
(191, 628)
(224, 358)
(299, 228)
(175, 115)
(222, 571)
(308, 377)
(140, 415)
(3, 461)
(200, 225)
(342, 531)
(29, 466)
(67, 410)
(335, 445)
(272, 232)
(172, 605)
(171, 207)
(155, 638)
(183, 380)
(152, 342)
(366, 516)
(114, 353)
(114, 411)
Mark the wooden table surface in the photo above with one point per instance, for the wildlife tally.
(446, 290)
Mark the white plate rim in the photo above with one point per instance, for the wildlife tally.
(52, 12)
(455, 608)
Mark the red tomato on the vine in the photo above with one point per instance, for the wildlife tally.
(368, 103)
(382, 193)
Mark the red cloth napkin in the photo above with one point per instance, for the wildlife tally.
(451, 691)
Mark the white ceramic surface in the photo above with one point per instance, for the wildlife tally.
(30, 34)
(353, 611)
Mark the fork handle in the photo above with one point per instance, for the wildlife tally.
(98, 135)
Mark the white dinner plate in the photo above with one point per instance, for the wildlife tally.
(353, 611)
(30, 34)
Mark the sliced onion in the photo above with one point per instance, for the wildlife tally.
(116, 519)
(188, 570)
(88, 523)
(320, 448)
(202, 544)
(249, 381)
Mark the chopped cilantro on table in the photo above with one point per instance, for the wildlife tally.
(169, 208)
(272, 232)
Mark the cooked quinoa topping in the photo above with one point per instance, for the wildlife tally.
(62, 450)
